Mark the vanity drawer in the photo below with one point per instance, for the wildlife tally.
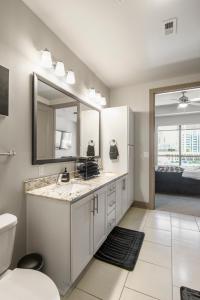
(111, 220)
(111, 202)
(111, 188)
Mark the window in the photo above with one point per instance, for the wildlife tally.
(179, 145)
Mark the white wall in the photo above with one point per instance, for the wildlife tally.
(137, 97)
(22, 35)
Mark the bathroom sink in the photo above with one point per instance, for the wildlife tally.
(71, 188)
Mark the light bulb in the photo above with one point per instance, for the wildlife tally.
(92, 93)
(71, 77)
(98, 98)
(103, 101)
(60, 69)
(46, 59)
(183, 105)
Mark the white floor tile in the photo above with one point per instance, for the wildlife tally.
(156, 254)
(79, 295)
(151, 280)
(103, 280)
(134, 219)
(183, 223)
(160, 213)
(189, 237)
(185, 252)
(182, 216)
(186, 261)
(129, 294)
(162, 237)
(158, 222)
(176, 293)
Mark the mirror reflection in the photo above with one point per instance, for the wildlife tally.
(89, 131)
(56, 124)
(65, 127)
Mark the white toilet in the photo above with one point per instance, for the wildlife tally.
(20, 284)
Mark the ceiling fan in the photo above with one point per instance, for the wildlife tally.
(184, 101)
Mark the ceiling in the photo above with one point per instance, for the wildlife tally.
(122, 41)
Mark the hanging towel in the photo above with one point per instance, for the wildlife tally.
(114, 153)
(90, 150)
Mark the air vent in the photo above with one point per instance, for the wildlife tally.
(120, 1)
(170, 26)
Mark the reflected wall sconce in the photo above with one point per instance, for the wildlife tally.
(70, 78)
(96, 97)
(103, 101)
(92, 93)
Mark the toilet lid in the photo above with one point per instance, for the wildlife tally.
(23, 284)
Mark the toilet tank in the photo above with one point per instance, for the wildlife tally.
(7, 237)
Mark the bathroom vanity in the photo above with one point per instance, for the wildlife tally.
(67, 223)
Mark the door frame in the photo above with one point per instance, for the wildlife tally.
(152, 94)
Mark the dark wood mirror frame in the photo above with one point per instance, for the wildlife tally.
(36, 161)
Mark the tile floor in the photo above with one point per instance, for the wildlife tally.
(169, 258)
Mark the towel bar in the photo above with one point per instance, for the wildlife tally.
(10, 153)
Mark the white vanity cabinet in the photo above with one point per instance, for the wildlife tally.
(69, 233)
(81, 235)
(119, 185)
(121, 197)
(118, 125)
(111, 206)
(99, 218)
(48, 233)
(124, 194)
(88, 229)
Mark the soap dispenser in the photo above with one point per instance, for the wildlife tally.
(65, 176)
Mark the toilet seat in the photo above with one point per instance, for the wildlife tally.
(23, 284)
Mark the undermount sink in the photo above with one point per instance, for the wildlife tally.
(71, 188)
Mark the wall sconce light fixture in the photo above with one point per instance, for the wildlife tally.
(70, 79)
(46, 59)
(60, 69)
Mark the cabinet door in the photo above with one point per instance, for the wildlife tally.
(124, 195)
(112, 128)
(131, 175)
(118, 200)
(130, 127)
(99, 218)
(81, 235)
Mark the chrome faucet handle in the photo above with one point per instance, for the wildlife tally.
(58, 177)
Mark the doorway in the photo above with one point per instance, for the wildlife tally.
(174, 158)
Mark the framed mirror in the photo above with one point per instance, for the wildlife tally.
(63, 127)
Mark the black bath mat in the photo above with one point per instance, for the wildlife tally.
(189, 294)
(121, 248)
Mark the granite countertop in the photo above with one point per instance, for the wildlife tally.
(76, 188)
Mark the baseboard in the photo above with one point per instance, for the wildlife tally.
(141, 204)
